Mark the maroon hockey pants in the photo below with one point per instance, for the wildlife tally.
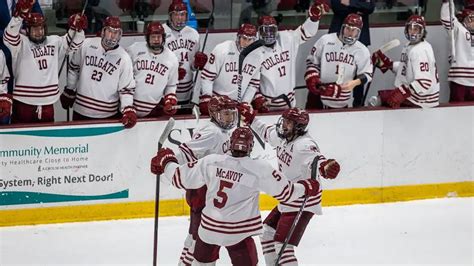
(460, 93)
(196, 199)
(25, 113)
(243, 253)
(282, 222)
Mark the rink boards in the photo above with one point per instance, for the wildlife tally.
(95, 172)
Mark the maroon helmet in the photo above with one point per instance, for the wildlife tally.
(112, 25)
(177, 6)
(351, 28)
(178, 15)
(113, 22)
(300, 119)
(223, 111)
(36, 20)
(155, 27)
(418, 22)
(247, 32)
(241, 141)
(267, 29)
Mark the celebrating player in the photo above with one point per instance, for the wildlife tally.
(155, 69)
(221, 77)
(231, 216)
(416, 81)
(5, 98)
(100, 81)
(36, 60)
(337, 63)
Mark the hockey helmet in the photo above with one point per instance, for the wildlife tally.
(36, 27)
(178, 15)
(351, 28)
(241, 141)
(153, 42)
(292, 123)
(111, 32)
(415, 29)
(466, 17)
(223, 111)
(267, 29)
(246, 35)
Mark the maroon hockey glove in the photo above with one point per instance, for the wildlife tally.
(161, 159)
(311, 186)
(129, 118)
(23, 8)
(200, 60)
(381, 61)
(260, 104)
(247, 113)
(312, 81)
(5, 105)
(329, 169)
(77, 22)
(330, 90)
(318, 9)
(398, 96)
(67, 98)
(170, 101)
(181, 73)
(204, 104)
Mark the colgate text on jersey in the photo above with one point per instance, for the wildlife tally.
(47, 50)
(152, 66)
(340, 57)
(284, 156)
(181, 44)
(276, 59)
(228, 174)
(101, 63)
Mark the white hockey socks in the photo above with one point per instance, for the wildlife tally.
(187, 256)
(288, 257)
(268, 245)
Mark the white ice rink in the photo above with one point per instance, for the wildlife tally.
(425, 232)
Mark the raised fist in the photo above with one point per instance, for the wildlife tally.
(260, 104)
(77, 22)
(23, 8)
(129, 117)
(312, 81)
(247, 113)
(200, 60)
(67, 98)
(329, 169)
(311, 186)
(170, 101)
(398, 96)
(161, 159)
(381, 61)
(5, 105)
(318, 9)
(181, 73)
(330, 90)
(204, 104)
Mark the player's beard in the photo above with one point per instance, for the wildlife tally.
(155, 48)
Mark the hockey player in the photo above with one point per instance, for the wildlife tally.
(36, 59)
(221, 77)
(461, 72)
(100, 80)
(416, 81)
(183, 41)
(231, 216)
(279, 58)
(295, 150)
(337, 63)
(5, 98)
(211, 138)
(155, 69)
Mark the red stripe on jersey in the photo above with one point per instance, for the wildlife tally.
(177, 179)
(98, 101)
(188, 152)
(93, 107)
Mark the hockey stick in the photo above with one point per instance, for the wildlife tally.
(451, 31)
(164, 135)
(384, 48)
(314, 175)
(243, 54)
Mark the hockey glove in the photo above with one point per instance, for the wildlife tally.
(318, 9)
(129, 118)
(161, 159)
(382, 61)
(200, 60)
(204, 104)
(311, 186)
(170, 101)
(330, 90)
(67, 98)
(312, 81)
(181, 73)
(5, 105)
(77, 22)
(23, 8)
(247, 113)
(329, 169)
(260, 104)
(398, 96)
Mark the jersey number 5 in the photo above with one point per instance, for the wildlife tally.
(222, 196)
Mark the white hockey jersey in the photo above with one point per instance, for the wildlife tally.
(461, 70)
(221, 73)
(4, 74)
(233, 186)
(339, 63)
(156, 75)
(417, 72)
(103, 79)
(294, 160)
(279, 64)
(184, 44)
(36, 66)
(207, 139)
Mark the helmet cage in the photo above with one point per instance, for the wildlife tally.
(414, 37)
(111, 42)
(349, 40)
(268, 33)
(178, 25)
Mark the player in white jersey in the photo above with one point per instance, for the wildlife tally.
(155, 69)
(221, 74)
(416, 80)
(5, 98)
(277, 76)
(36, 58)
(211, 138)
(295, 150)
(337, 63)
(231, 216)
(100, 81)
(461, 71)
(183, 41)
